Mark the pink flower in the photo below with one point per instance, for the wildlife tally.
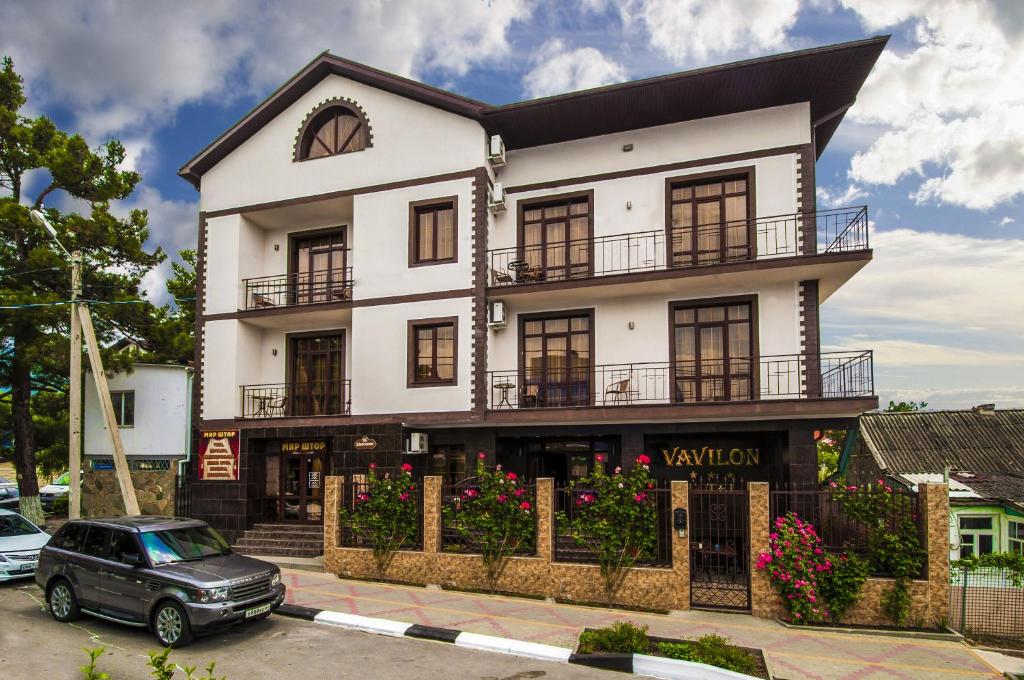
(518, 492)
(481, 455)
(406, 467)
(650, 485)
(403, 497)
(640, 497)
(498, 467)
(599, 458)
(501, 498)
(618, 470)
(525, 505)
(373, 466)
(774, 536)
(513, 476)
(643, 459)
(851, 488)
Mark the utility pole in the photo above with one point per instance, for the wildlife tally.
(75, 396)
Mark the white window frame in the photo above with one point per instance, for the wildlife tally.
(117, 400)
(1013, 543)
(975, 533)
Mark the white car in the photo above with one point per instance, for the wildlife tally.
(58, 488)
(20, 543)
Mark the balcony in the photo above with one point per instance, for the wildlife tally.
(304, 288)
(831, 375)
(843, 230)
(297, 400)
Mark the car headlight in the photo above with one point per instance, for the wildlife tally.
(214, 594)
(275, 579)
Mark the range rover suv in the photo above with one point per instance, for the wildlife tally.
(176, 577)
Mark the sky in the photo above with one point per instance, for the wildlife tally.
(934, 144)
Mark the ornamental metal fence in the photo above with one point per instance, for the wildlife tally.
(987, 603)
(566, 549)
(458, 537)
(839, 530)
(351, 491)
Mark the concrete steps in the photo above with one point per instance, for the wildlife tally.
(284, 540)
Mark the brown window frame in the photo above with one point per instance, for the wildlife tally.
(413, 327)
(291, 340)
(432, 204)
(747, 173)
(546, 201)
(755, 347)
(293, 260)
(318, 116)
(523, 319)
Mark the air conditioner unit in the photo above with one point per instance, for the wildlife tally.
(496, 151)
(496, 198)
(418, 442)
(496, 314)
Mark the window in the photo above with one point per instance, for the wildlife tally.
(1015, 537)
(333, 130)
(713, 352)
(317, 376)
(319, 267)
(70, 537)
(97, 542)
(432, 231)
(708, 220)
(977, 535)
(557, 355)
(124, 408)
(123, 544)
(432, 351)
(555, 238)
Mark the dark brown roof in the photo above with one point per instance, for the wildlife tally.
(930, 441)
(1005, 487)
(828, 77)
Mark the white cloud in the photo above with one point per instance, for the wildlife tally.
(907, 353)
(1006, 220)
(695, 31)
(833, 198)
(557, 69)
(953, 115)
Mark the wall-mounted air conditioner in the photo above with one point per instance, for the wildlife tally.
(496, 151)
(418, 442)
(496, 198)
(496, 314)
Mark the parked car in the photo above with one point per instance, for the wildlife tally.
(58, 488)
(9, 498)
(176, 577)
(20, 543)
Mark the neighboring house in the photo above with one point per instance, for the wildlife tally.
(981, 450)
(153, 408)
(387, 270)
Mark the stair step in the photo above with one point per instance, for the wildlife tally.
(281, 552)
(289, 528)
(285, 534)
(275, 543)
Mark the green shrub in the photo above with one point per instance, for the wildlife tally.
(619, 638)
(386, 515)
(841, 586)
(713, 650)
(60, 505)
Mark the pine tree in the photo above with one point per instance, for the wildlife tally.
(33, 270)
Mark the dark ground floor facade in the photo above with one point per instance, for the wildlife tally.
(281, 470)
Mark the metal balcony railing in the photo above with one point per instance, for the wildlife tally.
(283, 400)
(307, 288)
(834, 231)
(830, 375)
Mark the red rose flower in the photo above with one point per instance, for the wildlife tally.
(513, 476)
(643, 459)
(406, 467)
(525, 505)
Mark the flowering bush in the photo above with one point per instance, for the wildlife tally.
(795, 561)
(496, 514)
(385, 515)
(615, 518)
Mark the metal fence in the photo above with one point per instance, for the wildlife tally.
(311, 398)
(183, 494)
(839, 532)
(567, 550)
(350, 538)
(836, 231)
(305, 288)
(832, 375)
(454, 535)
(987, 603)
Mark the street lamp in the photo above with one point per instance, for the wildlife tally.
(75, 391)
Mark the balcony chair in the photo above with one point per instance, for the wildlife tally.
(341, 294)
(501, 278)
(275, 407)
(260, 300)
(620, 392)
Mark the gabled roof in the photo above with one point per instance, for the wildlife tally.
(981, 439)
(829, 78)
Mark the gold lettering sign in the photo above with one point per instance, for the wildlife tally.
(313, 446)
(708, 456)
(364, 443)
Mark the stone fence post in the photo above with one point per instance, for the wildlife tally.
(763, 598)
(681, 546)
(934, 503)
(431, 514)
(545, 518)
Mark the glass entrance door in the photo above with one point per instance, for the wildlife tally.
(293, 489)
(318, 375)
(318, 267)
(556, 362)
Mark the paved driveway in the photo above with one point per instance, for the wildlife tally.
(791, 653)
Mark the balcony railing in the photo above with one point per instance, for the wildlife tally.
(836, 231)
(284, 400)
(830, 375)
(307, 288)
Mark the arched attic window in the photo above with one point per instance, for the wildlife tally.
(331, 129)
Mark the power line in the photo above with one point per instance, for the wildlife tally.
(30, 305)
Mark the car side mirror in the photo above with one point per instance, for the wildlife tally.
(133, 560)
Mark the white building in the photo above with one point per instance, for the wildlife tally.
(380, 260)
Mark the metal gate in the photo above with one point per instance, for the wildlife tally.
(719, 548)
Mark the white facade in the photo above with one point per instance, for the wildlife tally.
(162, 413)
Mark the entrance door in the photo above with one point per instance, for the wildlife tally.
(318, 268)
(557, 362)
(709, 222)
(713, 352)
(294, 488)
(318, 375)
(719, 548)
(556, 240)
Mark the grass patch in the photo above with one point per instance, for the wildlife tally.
(713, 650)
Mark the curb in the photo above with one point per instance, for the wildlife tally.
(949, 636)
(637, 664)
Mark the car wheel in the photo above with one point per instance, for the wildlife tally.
(62, 601)
(170, 625)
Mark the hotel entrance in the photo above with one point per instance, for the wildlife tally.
(565, 459)
(293, 489)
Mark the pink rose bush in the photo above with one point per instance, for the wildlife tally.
(795, 562)
(384, 516)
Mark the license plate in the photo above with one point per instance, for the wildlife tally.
(256, 611)
(28, 566)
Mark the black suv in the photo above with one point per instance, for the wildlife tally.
(177, 577)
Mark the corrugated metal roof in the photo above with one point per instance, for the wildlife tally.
(929, 441)
(957, 489)
(1005, 486)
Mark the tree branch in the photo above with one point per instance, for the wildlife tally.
(39, 199)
